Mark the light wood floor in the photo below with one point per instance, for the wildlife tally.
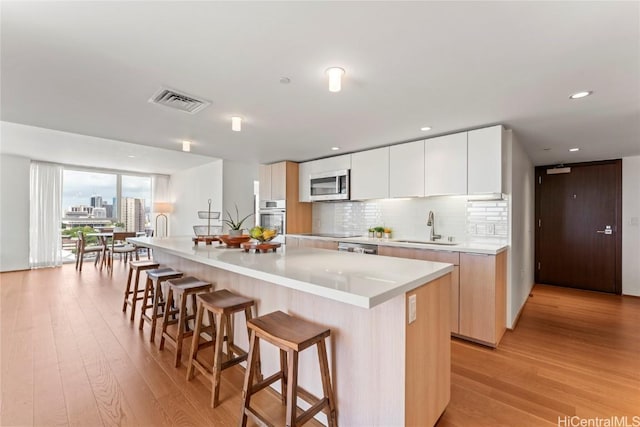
(70, 357)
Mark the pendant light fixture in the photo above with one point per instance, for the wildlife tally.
(236, 123)
(186, 146)
(335, 78)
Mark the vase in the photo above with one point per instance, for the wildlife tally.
(379, 234)
(235, 232)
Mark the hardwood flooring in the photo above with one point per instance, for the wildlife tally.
(71, 357)
(573, 353)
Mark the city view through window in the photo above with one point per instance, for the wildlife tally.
(100, 199)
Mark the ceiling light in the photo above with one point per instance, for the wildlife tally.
(186, 146)
(335, 148)
(335, 78)
(131, 156)
(236, 123)
(579, 95)
(574, 149)
(426, 128)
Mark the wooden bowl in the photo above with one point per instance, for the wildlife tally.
(234, 241)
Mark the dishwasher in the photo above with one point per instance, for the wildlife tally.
(359, 248)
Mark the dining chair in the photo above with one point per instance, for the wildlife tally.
(119, 245)
(82, 248)
(142, 249)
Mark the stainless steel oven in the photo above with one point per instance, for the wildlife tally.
(273, 214)
(329, 186)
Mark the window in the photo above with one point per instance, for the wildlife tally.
(97, 198)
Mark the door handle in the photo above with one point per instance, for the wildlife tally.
(607, 230)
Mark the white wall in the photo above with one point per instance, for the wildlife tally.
(521, 188)
(237, 182)
(189, 191)
(630, 226)
(14, 212)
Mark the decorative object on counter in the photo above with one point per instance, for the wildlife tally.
(387, 232)
(372, 233)
(234, 241)
(207, 233)
(262, 234)
(206, 239)
(235, 225)
(260, 246)
(163, 208)
(379, 230)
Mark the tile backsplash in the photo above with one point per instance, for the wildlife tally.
(456, 217)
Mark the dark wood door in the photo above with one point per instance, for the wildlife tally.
(578, 234)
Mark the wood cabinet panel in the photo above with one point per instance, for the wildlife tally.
(264, 176)
(279, 181)
(437, 256)
(483, 297)
(428, 354)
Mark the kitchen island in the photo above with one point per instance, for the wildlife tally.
(385, 369)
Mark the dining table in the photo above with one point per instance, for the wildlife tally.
(104, 237)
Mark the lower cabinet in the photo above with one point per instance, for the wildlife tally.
(478, 291)
(437, 256)
(301, 242)
(483, 297)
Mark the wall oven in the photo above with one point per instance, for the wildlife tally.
(329, 186)
(273, 214)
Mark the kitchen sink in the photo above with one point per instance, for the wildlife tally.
(426, 242)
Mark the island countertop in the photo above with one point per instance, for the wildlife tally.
(357, 279)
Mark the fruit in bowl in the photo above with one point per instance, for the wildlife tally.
(262, 234)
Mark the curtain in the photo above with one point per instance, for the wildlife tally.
(45, 239)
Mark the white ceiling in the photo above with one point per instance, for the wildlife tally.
(90, 67)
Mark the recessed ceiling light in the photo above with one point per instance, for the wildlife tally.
(579, 95)
(186, 146)
(425, 128)
(131, 156)
(574, 149)
(335, 148)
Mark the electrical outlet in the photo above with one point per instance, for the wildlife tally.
(412, 308)
(491, 229)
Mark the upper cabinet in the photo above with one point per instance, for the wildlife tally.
(273, 181)
(485, 160)
(329, 164)
(446, 165)
(406, 170)
(370, 174)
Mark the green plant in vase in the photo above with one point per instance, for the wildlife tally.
(235, 225)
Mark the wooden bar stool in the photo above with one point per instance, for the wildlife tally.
(138, 267)
(291, 336)
(152, 297)
(222, 305)
(183, 287)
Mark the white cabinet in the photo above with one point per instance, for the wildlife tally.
(485, 160)
(406, 170)
(335, 163)
(370, 174)
(446, 165)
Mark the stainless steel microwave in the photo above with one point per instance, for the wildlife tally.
(329, 186)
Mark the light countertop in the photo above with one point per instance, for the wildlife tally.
(357, 279)
(469, 247)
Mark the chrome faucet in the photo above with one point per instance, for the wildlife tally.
(431, 223)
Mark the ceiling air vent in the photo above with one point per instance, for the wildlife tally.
(178, 101)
